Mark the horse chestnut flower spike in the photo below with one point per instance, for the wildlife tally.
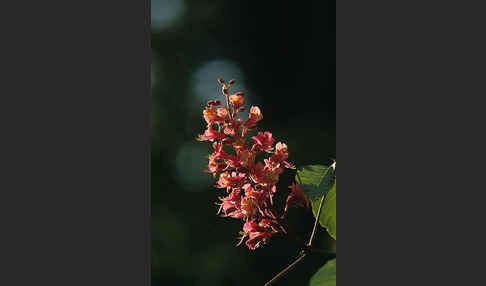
(248, 186)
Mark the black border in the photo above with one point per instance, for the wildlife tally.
(410, 86)
(409, 82)
(76, 110)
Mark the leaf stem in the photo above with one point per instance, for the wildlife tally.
(316, 222)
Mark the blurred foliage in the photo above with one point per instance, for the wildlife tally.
(282, 56)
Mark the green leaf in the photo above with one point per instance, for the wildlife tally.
(325, 276)
(328, 213)
(317, 181)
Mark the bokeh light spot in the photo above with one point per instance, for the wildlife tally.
(205, 84)
(165, 13)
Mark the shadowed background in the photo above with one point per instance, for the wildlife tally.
(282, 56)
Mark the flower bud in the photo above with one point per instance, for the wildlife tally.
(225, 89)
(214, 102)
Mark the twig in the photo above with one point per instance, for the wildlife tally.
(292, 265)
(287, 269)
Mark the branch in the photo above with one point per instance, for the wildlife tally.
(293, 264)
(287, 269)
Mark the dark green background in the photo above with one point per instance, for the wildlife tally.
(282, 56)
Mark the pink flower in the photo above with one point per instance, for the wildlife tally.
(224, 181)
(231, 205)
(296, 198)
(239, 143)
(211, 135)
(237, 180)
(257, 233)
(233, 127)
(237, 100)
(280, 155)
(260, 197)
(257, 172)
(222, 113)
(211, 115)
(269, 224)
(248, 227)
(273, 189)
(249, 207)
(213, 167)
(246, 159)
(230, 181)
(253, 118)
(230, 161)
(263, 141)
(271, 164)
(265, 176)
(218, 151)
(214, 102)
(257, 238)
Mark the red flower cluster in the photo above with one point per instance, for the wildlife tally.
(250, 185)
